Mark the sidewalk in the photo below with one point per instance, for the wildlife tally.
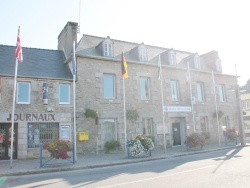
(32, 166)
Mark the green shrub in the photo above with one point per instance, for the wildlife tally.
(111, 145)
(89, 113)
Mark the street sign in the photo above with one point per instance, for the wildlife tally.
(177, 108)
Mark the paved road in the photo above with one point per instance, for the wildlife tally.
(226, 168)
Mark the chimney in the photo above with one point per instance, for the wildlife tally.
(66, 38)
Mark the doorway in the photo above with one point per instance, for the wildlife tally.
(5, 141)
(176, 134)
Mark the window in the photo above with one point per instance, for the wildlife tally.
(218, 65)
(200, 92)
(109, 130)
(222, 93)
(203, 123)
(42, 133)
(142, 54)
(197, 64)
(64, 94)
(225, 121)
(109, 86)
(148, 127)
(245, 104)
(175, 90)
(144, 88)
(172, 58)
(23, 93)
(108, 51)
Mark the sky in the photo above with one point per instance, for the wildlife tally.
(197, 26)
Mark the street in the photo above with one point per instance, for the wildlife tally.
(225, 168)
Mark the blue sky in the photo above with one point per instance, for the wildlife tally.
(195, 25)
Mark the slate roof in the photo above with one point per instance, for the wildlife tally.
(37, 63)
(89, 46)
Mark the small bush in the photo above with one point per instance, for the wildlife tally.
(195, 140)
(111, 145)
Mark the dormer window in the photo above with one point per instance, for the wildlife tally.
(108, 49)
(142, 54)
(218, 65)
(197, 63)
(172, 58)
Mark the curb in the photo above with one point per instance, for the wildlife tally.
(138, 160)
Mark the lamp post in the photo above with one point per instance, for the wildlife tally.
(241, 129)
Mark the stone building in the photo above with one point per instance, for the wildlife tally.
(245, 100)
(190, 97)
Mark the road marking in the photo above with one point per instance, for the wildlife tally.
(147, 179)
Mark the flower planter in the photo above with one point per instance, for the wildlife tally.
(140, 146)
(58, 149)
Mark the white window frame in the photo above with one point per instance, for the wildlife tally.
(68, 93)
(147, 126)
(175, 93)
(22, 93)
(197, 63)
(222, 93)
(200, 93)
(145, 88)
(142, 54)
(108, 49)
(108, 87)
(172, 58)
(218, 65)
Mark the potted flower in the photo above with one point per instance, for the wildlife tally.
(231, 134)
(58, 149)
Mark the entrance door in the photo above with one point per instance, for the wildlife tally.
(5, 141)
(176, 134)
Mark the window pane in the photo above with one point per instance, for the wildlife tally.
(64, 94)
(200, 94)
(42, 133)
(148, 127)
(23, 93)
(109, 130)
(174, 90)
(107, 49)
(144, 88)
(172, 58)
(109, 86)
(222, 93)
(203, 123)
(142, 54)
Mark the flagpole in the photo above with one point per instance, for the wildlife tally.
(162, 103)
(13, 112)
(216, 109)
(191, 96)
(74, 93)
(124, 114)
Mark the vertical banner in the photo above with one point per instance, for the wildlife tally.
(45, 93)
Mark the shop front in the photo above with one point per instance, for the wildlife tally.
(30, 130)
